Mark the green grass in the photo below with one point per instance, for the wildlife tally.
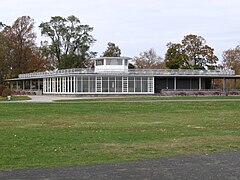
(151, 98)
(15, 98)
(61, 134)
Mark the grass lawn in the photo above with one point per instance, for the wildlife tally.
(15, 98)
(151, 98)
(62, 134)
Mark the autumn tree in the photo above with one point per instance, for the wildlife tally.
(22, 53)
(18, 51)
(2, 55)
(112, 51)
(231, 59)
(70, 41)
(192, 53)
(149, 60)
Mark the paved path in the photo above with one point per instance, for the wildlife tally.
(52, 98)
(218, 166)
(45, 99)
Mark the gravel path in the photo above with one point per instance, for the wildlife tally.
(204, 167)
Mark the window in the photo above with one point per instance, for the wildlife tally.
(99, 62)
(92, 84)
(85, 84)
(119, 84)
(144, 84)
(125, 62)
(114, 62)
(112, 85)
(130, 84)
(104, 84)
(79, 84)
(138, 84)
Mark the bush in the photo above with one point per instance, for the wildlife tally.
(6, 92)
(2, 87)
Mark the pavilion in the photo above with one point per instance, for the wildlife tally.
(112, 76)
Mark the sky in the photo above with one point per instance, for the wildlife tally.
(139, 25)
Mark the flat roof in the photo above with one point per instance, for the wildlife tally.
(121, 57)
(131, 72)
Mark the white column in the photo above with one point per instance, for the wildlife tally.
(199, 83)
(153, 84)
(64, 84)
(74, 84)
(71, 83)
(57, 84)
(175, 83)
(45, 84)
(108, 85)
(50, 84)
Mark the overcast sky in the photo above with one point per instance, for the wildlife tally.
(138, 25)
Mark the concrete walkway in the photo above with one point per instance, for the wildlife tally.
(50, 98)
(217, 166)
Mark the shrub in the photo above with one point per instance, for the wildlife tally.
(199, 93)
(2, 87)
(181, 94)
(6, 92)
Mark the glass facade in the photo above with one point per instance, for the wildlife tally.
(98, 85)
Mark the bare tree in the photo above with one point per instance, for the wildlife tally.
(149, 60)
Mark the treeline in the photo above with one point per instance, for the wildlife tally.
(68, 46)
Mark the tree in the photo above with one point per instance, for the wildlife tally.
(70, 41)
(112, 51)
(2, 25)
(149, 60)
(21, 53)
(192, 53)
(174, 57)
(2, 60)
(18, 51)
(231, 59)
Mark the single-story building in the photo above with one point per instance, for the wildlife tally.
(112, 76)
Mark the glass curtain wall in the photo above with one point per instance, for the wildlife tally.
(98, 84)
